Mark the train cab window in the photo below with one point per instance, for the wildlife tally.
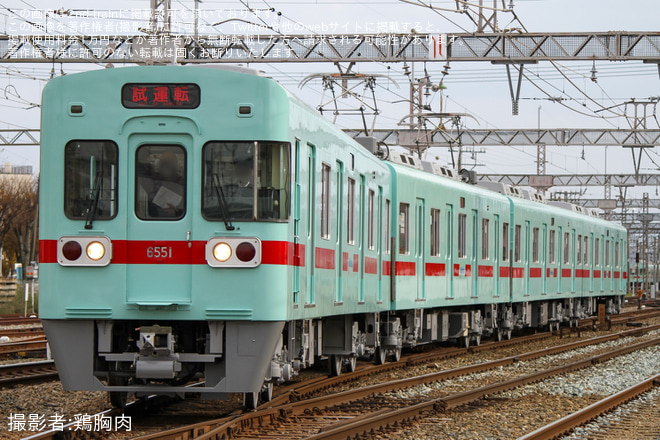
(535, 245)
(485, 239)
(325, 201)
(585, 250)
(435, 232)
(160, 182)
(551, 247)
(404, 228)
(505, 242)
(596, 252)
(567, 247)
(247, 180)
(90, 180)
(516, 244)
(462, 235)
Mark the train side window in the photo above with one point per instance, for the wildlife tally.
(505, 242)
(404, 228)
(551, 247)
(325, 201)
(462, 235)
(90, 179)
(350, 217)
(371, 242)
(596, 249)
(485, 239)
(607, 252)
(160, 182)
(578, 251)
(535, 245)
(585, 250)
(388, 226)
(516, 244)
(616, 254)
(435, 232)
(567, 247)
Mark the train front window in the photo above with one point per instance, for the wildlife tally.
(90, 180)
(160, 190)
(246, 180)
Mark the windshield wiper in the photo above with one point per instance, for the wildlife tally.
(94, 202)
(224, 210)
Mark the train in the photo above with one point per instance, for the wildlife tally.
(202, 225)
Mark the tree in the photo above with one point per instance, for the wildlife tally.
(18, 209)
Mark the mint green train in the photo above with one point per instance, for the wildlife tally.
(203, 223)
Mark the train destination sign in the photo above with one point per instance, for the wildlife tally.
(179, 96)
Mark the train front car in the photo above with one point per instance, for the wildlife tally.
(165, 220)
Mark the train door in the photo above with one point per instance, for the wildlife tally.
(361, 238)
(473, 257)
(159, 246)
(296, 226)
(420, 248)
(560, 259)
(379, 245)
(310, 254)
(450, 251)
(496, 255)
(339, 256)
(590, 267)
(544, 259)
(572, 260)
(526, 257)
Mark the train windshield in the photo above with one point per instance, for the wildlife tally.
(245, 181)
(90, 180)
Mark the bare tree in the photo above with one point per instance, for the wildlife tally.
(18, 205)
(24, 223)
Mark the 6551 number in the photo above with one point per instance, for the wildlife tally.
(159, 252)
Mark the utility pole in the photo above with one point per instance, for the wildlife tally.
(159, 19)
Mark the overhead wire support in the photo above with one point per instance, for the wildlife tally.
(516, 48)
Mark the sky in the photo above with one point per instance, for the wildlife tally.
(478, 89)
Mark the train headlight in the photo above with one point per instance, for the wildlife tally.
(222, 252)
(238, 252)
(80, 250)
(95, 250)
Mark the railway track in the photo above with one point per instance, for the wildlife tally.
(621, 428)
(308, 417)
(34, 345)
(12, 374)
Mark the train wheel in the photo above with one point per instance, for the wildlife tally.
(250, 401)
(266, 393)
(381, 355)
(118, 399)
(335, 365)
(352, 363)
(397, 354)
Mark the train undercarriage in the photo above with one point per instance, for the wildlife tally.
(147, 357)
(382, 336)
